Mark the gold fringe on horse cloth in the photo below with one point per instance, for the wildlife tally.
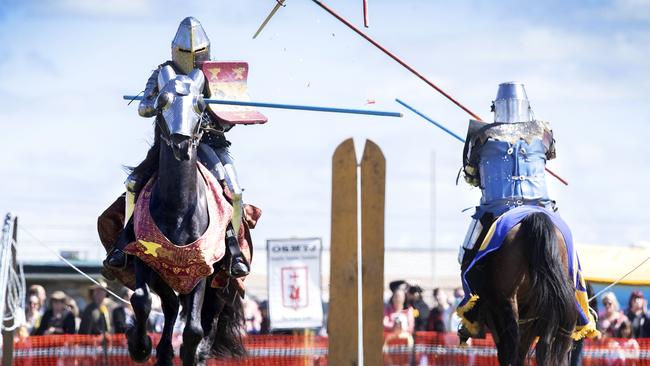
(472, 327)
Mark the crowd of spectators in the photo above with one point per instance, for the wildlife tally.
(406, 311)
(634, 322)
(620, 328)
(59, 314)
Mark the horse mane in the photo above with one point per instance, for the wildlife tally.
(149, 166)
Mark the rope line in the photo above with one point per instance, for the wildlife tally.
(23, 229)
(619, 280)
(12, 278)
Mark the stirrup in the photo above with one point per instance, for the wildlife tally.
(110, 256)
(238, 268)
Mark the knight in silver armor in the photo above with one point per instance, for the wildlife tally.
(189, 48)
(506, 160)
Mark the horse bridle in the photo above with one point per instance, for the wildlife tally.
(202, 126)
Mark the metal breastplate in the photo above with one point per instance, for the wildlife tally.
(513, 171)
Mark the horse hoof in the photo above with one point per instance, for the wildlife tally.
(203, 351)
(164, 355)
(166, 362)
(140, 353)
(181, 352)
(189, 359)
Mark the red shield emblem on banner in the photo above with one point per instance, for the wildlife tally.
(295, 287)
(227, 81)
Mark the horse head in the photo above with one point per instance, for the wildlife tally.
(180, 103)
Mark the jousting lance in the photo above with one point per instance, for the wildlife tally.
(366, 21)
(277, 6)
(411, 69)
(394, 57)
(289, 106)
(455, 135)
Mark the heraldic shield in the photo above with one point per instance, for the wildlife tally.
(227, 81)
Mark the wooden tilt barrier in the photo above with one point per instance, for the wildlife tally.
(343, 310)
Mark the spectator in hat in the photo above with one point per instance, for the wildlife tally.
(637, 313)
(420, 308)
(57, 318)
(96, 317)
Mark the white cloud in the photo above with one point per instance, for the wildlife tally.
(128, 8)
(630, 10)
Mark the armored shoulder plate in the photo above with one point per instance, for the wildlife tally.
(511, 132)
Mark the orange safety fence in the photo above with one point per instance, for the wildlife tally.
(428, 348)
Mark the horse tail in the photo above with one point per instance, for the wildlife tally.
(552, 296)
(228, 340)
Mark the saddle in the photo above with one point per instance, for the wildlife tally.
(181, 267)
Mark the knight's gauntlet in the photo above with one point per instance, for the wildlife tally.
(146, 108)
(471, 175)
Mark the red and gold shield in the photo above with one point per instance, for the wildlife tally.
(227, 81)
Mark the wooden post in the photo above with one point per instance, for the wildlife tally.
(343, 312)
(8, 336)
(343, 315)
(373, 186)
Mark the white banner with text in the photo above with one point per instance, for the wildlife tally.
(294, 283)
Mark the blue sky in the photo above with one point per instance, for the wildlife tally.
(66, 132)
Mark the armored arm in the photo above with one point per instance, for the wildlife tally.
(549, 141)
(470, 152)
(146, 108)
(470, 165)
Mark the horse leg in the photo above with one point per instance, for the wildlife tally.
(225, 333)
(502, 315)
(212, 307)
(526, 339)
(139, 343)
(170, 305)
(193, 332)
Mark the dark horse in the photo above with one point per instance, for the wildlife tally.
(526, 293)
(179, 208)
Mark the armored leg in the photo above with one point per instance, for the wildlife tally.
(116, 258)
(221, 165)
(238, 265)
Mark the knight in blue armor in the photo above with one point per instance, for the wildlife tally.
(506, 160)
(190, 47)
